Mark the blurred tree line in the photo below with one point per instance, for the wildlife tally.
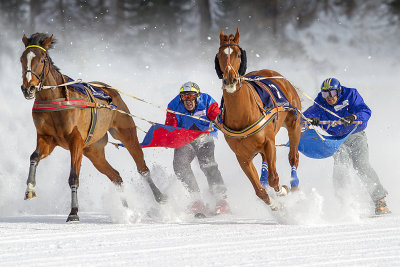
(175, 24)
(169, 18)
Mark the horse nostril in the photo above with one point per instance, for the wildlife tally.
(225, 82)
(31, 88)
(234, 80)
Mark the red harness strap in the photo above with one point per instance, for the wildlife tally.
(61, 104)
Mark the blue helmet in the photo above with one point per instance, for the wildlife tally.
(331, 84)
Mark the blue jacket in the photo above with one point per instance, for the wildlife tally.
(206, 108)
(349, 102)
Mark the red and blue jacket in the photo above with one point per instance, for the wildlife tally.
(206, 108)
(349, 102)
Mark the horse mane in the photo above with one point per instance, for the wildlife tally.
(229, 38)
(38, 39)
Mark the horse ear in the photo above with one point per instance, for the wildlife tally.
(221, 37)
(236, 40)
(25, 40)
(47, 42)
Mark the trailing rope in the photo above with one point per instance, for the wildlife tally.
(298, 89)
(127, 94)
(331, 123)
(110, 107)
(159, 107)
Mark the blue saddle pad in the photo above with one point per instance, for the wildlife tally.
(277, 93)
(312, 146)
(97, 93)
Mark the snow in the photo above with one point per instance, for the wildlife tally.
(225, 241)
(314, 229)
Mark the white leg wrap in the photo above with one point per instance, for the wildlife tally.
(282, 191)
(275, 205)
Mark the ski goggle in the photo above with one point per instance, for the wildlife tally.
(331, 93)
(188, 97)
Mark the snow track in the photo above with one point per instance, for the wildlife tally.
(221, 241)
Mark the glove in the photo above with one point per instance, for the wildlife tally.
(315, 121)
(348, 120)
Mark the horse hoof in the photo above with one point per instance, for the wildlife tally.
(30, 194)
(124, 203)
(162, 199)
(294, 189)
(73, 218)
(283, 191)
(275, 205)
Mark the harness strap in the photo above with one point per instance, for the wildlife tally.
(61, 104)
(273, 100)
(93, 120)
(252, 129)
(260, 106)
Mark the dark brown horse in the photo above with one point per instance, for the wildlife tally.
(70, 125)
(244, 119)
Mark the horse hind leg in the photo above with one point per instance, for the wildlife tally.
(76, 151)
(129, 139)
(294, 133)
(45, 146)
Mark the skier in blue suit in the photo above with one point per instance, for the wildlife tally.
(348, 104)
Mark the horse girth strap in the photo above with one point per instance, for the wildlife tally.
(63, 103)
(254, 128)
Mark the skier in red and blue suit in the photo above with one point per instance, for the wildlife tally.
(348, 104)
(191, 101)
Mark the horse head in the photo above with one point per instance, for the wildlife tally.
(230, 61)
(35, 60)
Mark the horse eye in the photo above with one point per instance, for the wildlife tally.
(239, 55)
(42, 60)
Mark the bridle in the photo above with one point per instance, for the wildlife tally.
(243, 62)
(42, 77)
(229, 44)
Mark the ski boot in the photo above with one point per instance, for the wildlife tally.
(381, 208)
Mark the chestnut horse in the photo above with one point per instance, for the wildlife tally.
(242, 109)
(72, 129)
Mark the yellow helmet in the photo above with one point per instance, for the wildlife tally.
(189, 88)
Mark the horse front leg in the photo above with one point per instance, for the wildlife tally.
(273, 178)
(251, 173)
(76, 150)
(44, 147)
